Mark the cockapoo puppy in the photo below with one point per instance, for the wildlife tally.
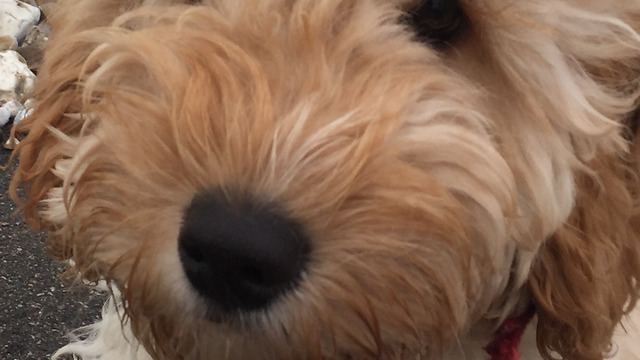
(343, 179)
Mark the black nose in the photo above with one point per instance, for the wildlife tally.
(240, 253)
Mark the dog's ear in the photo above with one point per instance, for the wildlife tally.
(56, 122)
(52, 129)
(587, 276)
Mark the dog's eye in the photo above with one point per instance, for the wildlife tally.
(438, 22)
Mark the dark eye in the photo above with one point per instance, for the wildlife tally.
(438, 22)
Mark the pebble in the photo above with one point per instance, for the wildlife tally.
(17, 18)
(9, 110)
(23, 34)
(5, 115)
(16, 79)
(24, 110)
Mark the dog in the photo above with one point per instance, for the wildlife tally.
(333, 179)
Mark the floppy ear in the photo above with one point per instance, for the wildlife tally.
(53, 126)
(51, 129)
(587, 276)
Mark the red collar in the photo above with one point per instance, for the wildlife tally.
(504, 345)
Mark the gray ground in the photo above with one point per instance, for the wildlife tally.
(36, 308)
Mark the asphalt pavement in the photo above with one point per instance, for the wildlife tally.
(37, 309)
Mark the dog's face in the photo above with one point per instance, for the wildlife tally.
(341, 179)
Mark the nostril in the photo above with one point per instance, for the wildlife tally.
(191, 251)
(241, 254)
(252, 275)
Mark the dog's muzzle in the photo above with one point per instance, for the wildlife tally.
(239, 253)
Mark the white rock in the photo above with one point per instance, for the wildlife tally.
(14, 107)
(16, 80)
(5, 115)
(25, 111)
(11, 110)
(17, 18)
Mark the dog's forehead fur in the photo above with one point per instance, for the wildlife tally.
(441, 188)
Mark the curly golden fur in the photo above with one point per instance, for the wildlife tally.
(443, 189)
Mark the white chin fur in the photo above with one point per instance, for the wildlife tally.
(107, 339)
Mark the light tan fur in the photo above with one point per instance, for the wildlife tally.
(443, 190)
